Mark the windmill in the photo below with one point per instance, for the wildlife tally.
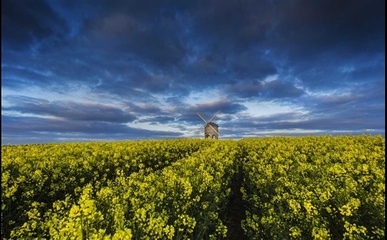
(210, 128)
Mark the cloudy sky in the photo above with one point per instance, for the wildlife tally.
(112, 70)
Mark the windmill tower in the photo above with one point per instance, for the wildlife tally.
(210, 128)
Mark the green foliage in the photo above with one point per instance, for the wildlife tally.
(48, 173)
(314, 187)
(292, 187)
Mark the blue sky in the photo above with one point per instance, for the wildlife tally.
(113, 70)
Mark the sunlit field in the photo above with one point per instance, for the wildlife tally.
(311, 187)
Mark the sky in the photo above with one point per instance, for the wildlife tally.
(100, 70)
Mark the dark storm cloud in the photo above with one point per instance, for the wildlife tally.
(70, 110)
(188, 114)
(18, 130)
(153, 42)
(226, 106)
(359, 111)
(334, 71)
(316, 38)
(271, 89)
(325, 57)
(146, 109)
(19, 77)
(366, 98)
(237, 24)
(327, 125)
(39, 124)
(25, 23)
(156, 36)
(314, 28)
